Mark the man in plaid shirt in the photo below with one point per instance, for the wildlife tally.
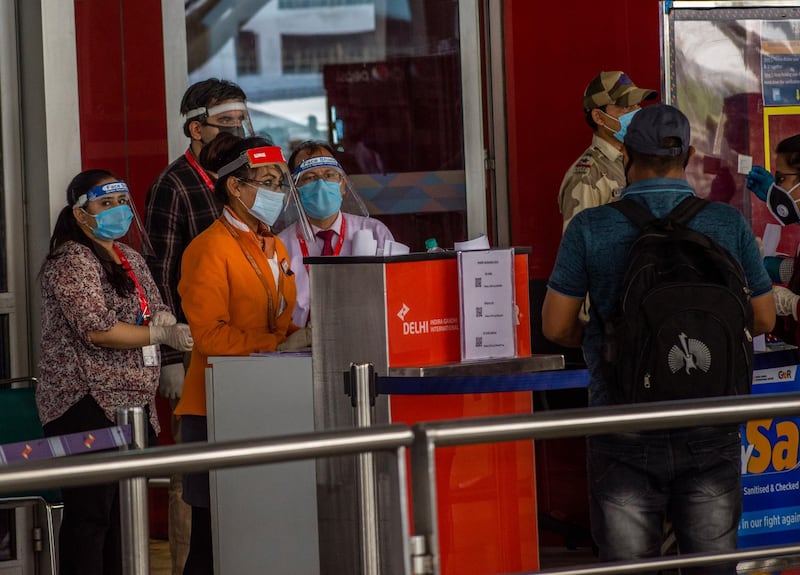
(180, 204)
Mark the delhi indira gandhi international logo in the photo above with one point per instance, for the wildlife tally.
(403, 311)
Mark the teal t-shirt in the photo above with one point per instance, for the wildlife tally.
(593, 250)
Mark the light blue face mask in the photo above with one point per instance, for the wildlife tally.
(320, 198)
(112, 223)
(624, 122)
(267, 206)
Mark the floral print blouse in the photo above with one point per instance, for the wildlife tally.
(77, 299)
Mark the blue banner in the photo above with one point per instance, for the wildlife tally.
(770, 472)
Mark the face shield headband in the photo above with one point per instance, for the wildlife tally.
(101, 190)
(256, 158)
(317, 162)
(240, 127)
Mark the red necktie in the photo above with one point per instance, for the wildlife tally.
(327, 245)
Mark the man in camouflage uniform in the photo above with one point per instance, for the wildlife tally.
(597, 177)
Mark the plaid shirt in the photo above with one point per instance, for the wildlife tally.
(178, 207)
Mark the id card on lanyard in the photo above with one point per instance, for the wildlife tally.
(149, 352)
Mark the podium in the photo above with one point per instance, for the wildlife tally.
(401, 314)
(264, 516)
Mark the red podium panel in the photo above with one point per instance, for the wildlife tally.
(422, 311)
(486, 493)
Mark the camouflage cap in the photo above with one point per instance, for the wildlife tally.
(614, 88)
(652, 125)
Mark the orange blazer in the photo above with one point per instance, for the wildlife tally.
(226, 303)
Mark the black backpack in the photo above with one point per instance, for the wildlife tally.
(683, 322)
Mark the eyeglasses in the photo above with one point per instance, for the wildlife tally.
(328, 176)
(780, 177)
(270, 184)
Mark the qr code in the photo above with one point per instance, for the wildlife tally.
(479, 341)
(478, 282)
(478, 312)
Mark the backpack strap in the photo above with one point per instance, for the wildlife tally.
(641, 216)
(687, 209)
(634, 211)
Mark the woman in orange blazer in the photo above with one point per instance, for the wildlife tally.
(238, 293)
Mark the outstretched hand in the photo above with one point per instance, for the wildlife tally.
(759, 181)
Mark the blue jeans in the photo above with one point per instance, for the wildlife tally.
(690, 476)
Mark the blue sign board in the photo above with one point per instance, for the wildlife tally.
(770, 473)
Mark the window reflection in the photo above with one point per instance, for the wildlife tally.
(380, 80)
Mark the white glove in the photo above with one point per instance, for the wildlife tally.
(785, 301)
(298, 340)
(175, 336)
(163, 318)
(170, 383)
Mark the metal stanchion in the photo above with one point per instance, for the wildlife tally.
(425, 543)
(133, 501)
(362, 378)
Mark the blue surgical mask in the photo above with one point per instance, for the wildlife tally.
(320, 198)
(267, 206)
(624, 122)
(112, 223)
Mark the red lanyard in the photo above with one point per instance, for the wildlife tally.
(144, 317)
(198, 168)
(336, 250)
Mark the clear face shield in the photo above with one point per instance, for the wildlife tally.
(324, 189)
(232, 117)
(114, 216)
(272, 157)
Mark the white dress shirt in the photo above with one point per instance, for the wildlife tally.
(289, 237)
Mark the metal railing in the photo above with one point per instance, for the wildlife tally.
(573, 423)
(423, 440)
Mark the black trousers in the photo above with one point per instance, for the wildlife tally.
(90, 539)
(200, 560)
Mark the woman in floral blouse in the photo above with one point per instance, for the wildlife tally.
(102, 321)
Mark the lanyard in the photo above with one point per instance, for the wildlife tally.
(198, 168)
(271, 315)
(144, 316)
(336, 250)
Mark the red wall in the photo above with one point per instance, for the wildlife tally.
(121, 89)
(123, 121)
(551, 54)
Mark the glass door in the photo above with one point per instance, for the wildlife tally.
(393, 85)
(14, 343)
